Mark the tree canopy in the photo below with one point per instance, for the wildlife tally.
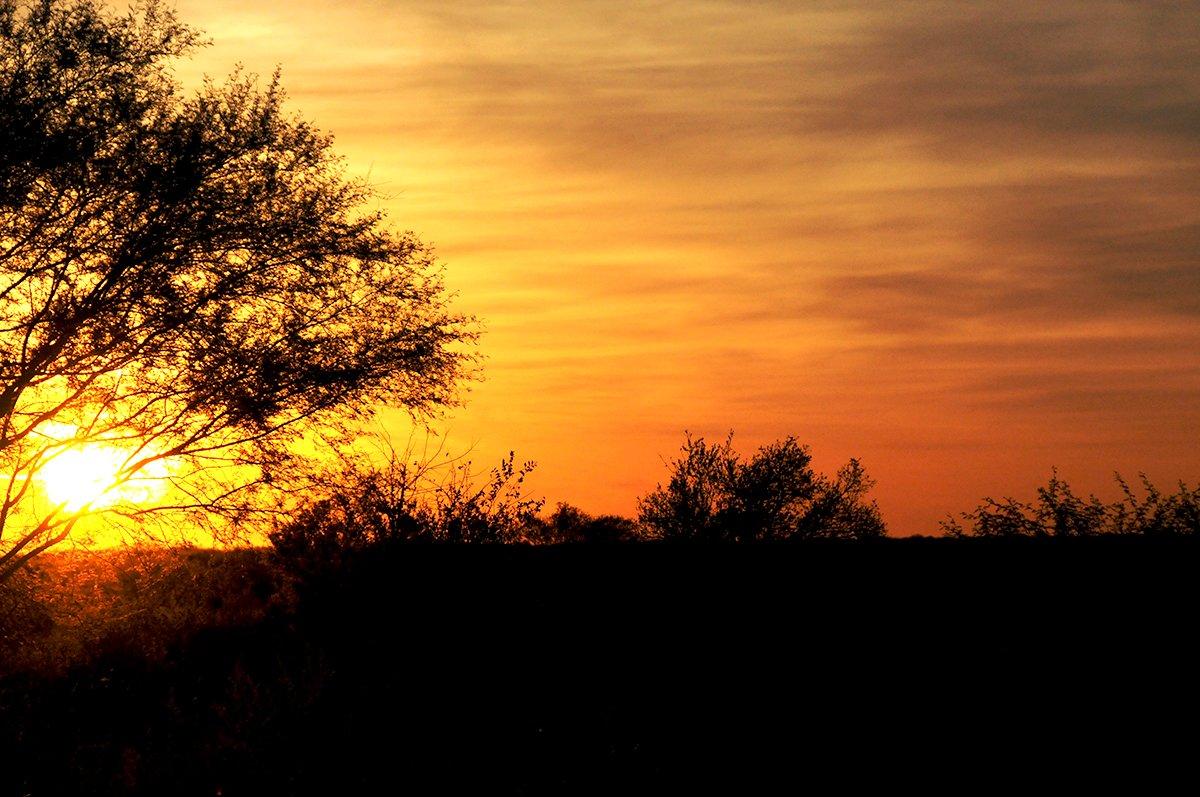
(715, 496)
(185, 277)
(1058, 512)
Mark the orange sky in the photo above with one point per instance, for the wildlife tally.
(958, 241)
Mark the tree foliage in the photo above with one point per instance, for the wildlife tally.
(71, 607)
(570, 524)
(1058, 512)
(408, 500)
(189, 277)
(714, 495)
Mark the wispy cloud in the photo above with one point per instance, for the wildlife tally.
(886, 227)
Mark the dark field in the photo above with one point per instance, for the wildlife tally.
(653, 669)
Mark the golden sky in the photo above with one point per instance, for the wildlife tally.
(960, 241)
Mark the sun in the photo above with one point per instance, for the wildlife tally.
(88, 476)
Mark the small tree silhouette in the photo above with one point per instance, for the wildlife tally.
(185, 278)
(570, 524)
(1058, 512)
(713, 495)
(421, 500)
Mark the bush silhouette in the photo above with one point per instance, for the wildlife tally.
(74, 607)
(570, 524)
(403, 502)
(715, 496)
(1058, 512)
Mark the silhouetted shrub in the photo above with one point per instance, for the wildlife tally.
(25, 618)
(570, 524)
(713, 495)
(1058, 512)
(131, 603)
(407, 501)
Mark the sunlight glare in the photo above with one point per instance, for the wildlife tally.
(83, 477)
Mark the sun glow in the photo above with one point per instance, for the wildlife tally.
(89, 476)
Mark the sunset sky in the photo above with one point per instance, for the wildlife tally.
(960, 241)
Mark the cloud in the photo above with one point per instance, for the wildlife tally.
(892, 224)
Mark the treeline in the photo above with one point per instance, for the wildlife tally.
(76, 602)
(575, 653)
(77, 605)
(711, 495)
(360, 653)
(1057, 511)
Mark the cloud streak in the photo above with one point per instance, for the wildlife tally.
(887, 228)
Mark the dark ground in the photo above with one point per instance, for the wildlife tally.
(645, 669)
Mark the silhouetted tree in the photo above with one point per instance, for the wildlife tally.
(570, 524)
(713, 495)
(1058, 512)
(188, 278)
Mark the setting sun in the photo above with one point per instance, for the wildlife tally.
(88, 476)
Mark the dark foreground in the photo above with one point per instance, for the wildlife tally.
(649, 670)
